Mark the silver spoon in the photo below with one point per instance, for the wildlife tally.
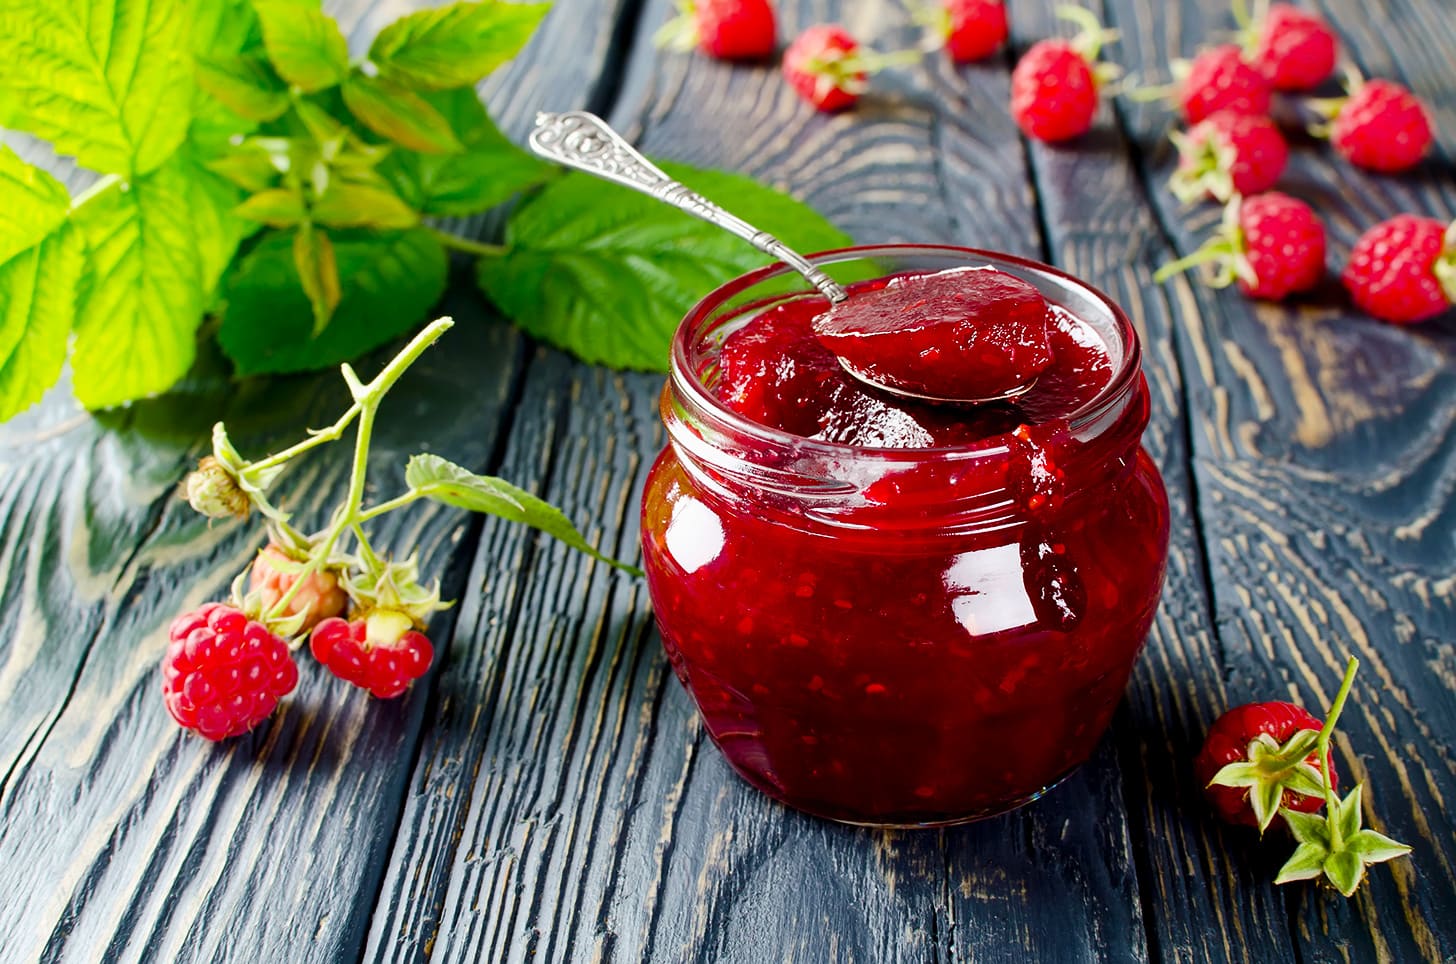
(583, 140)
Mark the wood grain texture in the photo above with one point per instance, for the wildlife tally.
(1323, 462)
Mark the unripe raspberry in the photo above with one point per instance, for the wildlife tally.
(213, 491)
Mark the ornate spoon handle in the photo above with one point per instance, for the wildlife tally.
(584, 141)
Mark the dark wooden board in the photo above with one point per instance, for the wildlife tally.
(1322, 461)
(547, 792)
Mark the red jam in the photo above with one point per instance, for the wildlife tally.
(891, 612)
(966, 333)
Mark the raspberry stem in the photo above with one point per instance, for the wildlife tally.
(1322, 747)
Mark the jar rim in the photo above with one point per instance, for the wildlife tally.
(688, 382)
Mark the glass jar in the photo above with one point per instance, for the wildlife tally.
(902, 637)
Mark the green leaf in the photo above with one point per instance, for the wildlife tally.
(399, 114)
(346, 205)
(455, 45)
(607, 273)
(35, 204)
(247, 165)
(246, 85)
(278, 206)
(318, 273)
(303, 43)
(38, 292)
(388, 283)
(1307, 863)
(108, 81)
(490, 171)
(147, 287)
(221, 29)
(446, 482)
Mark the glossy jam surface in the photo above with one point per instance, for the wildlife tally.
(965, 333)
(887, 637)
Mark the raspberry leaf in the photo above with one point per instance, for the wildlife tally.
(395, 112)
(455, 45)
(624, 268)
(278, 207)
(318, 272)
(108, 81)
(346, 205)
(35, 204)
(432, 477)
(245, 85)
(488, 171)
(388, 281)
(303, 43)
(38, 292)
(156, 249)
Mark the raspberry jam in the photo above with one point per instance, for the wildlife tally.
(891, 612)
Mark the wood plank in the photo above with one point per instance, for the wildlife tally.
(1323, 444)
(594, 820)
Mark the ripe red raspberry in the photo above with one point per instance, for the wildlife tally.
(1404, 269)
(1294, 48)
(1273, 245)
(224, 673)
(974, 29)
(1382, 127)
(1254, 733)
(726, 29)
(1228, 153)
(1054, 87)
(319, 598)
(1218, 79)
(827, 67)
(381, 652)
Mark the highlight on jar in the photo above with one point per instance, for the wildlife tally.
(904, 549)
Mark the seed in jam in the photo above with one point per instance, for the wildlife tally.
(964, 333)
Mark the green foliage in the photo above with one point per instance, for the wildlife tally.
(432, 477)
(607, 273)
(252, 170)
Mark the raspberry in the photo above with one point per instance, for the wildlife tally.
(827, 67)
(974, 29)
(224, 673)
(1295, 49)
(1228, 153)
(1382, 127)
(1218, 79)
(726, 29)
(380, 653)
(1404, 270)
(1272, 244)
(1054, 87)
(318, 599)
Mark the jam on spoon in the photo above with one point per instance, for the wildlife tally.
(967, 335)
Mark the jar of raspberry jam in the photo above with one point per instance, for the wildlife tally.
(896, 613)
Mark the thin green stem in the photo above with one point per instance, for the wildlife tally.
(468, 245)
(367, 406)
(371, 558)
(315, 439)
(389, 506)
(1322, 747)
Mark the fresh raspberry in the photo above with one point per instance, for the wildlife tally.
(1218, 79)
(1256, 733)
(829, 69)
(1404, 269)
(1382, 127)
(1054, 87)
(319, 598)
(726, 29)
(974, 29)
(1228, 153)
(1272, 244)
(1294, 48)
(380, 653)
(224, 673)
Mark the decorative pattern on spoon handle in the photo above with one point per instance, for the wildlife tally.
(584, 141)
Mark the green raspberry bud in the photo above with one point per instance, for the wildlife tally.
(213, 491)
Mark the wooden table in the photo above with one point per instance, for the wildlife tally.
(548, 794)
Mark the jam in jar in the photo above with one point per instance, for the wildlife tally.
(896, 612)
